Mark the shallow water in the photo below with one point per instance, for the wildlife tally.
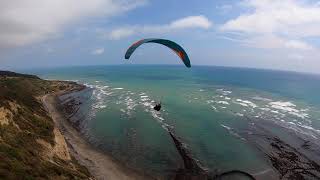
(204, 105)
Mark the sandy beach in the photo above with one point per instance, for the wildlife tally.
(100, 165)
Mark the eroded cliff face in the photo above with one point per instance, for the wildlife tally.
(31, 147)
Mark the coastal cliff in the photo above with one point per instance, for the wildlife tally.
(38, 140)
(31, 146)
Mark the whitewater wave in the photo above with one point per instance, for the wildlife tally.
(224, 92)
(130, 100)
(290, 108)
(232, 132)
(284, 113)
(246, 103)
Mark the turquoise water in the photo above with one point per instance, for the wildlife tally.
(204, 105)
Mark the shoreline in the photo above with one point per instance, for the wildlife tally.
(47, 118)
(283, 158)
(99, 164)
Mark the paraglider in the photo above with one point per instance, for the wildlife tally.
(157, 107)
(170, 44)
(192, 169)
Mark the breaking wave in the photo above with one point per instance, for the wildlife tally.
(129, 101)
(284, 113)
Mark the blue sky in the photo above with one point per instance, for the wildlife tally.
(268, 34)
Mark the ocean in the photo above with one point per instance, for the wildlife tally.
(207, 107)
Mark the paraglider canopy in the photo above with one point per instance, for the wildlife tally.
(170, 44)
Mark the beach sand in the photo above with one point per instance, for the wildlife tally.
(100, 164)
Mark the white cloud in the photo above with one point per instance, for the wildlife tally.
(270, 41)
(98, 51)
(24, 22)
(122, 32)
(281, 24)
(190, 22)
(180, 24)
(273, 16)
(296, 56)
(224, 8)
(295, 44)
(50, 50)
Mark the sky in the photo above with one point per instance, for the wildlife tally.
(268, 34)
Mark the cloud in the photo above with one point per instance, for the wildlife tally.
(226, 8)
(287, 22)
(190, 22)
(50, 50)
(296, 56)
(180, 24)
(295, 44)
(122, 32)
(275, 42)
(273, 16)
(98, 51)
(24, 22)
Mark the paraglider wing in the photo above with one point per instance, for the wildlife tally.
(170, 44)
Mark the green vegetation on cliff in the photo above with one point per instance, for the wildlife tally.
(28, 139)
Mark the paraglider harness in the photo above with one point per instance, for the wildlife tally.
(157, 107)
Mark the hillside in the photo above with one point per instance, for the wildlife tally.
(30, 145)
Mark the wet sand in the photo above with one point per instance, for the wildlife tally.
(100, 164)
